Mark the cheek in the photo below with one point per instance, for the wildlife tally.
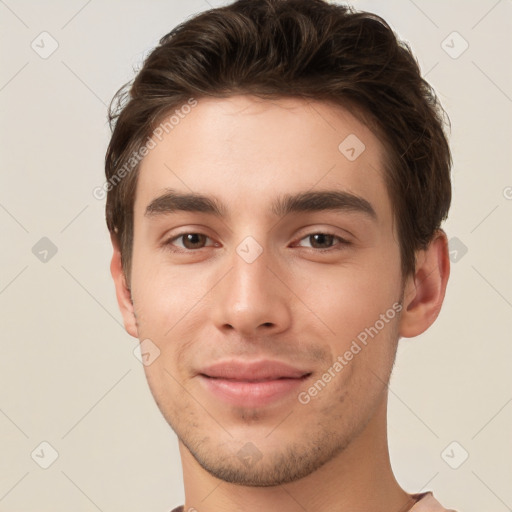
(162, 293)
(348, 299)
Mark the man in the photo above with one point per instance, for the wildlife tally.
(277, 177)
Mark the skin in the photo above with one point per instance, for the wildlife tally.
(293, 303)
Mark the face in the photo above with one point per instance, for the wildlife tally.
(275, 317)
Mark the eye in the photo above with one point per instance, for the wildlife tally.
(190, 241)
(320, 242)
(323, 241)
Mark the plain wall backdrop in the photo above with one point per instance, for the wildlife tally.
(68, 373)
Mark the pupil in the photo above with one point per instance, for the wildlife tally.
(322, 237)
(193, 238)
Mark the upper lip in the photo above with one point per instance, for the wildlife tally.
(253, 370)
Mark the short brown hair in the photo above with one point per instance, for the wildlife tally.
(293, 48)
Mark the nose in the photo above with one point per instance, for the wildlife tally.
(253, 298)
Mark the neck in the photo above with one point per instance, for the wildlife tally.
(359, 478)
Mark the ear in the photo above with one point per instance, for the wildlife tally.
(424, 291)
(124, 298)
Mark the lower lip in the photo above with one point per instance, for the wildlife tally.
(251, 394)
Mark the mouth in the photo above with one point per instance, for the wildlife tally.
(252, 384)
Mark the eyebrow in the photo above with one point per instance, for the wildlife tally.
(173, 201)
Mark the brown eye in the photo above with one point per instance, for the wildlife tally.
(320, 240)
(189, 241)
(193, 240)
(324, 241)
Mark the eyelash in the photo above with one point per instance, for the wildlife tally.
(342, 242)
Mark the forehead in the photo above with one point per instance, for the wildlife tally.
(245, 150)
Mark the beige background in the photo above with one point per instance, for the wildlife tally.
(68, 375)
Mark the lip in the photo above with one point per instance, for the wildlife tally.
(263, 369)
(252, 384)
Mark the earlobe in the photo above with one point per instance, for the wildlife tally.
(123, 293)
(425, 290)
